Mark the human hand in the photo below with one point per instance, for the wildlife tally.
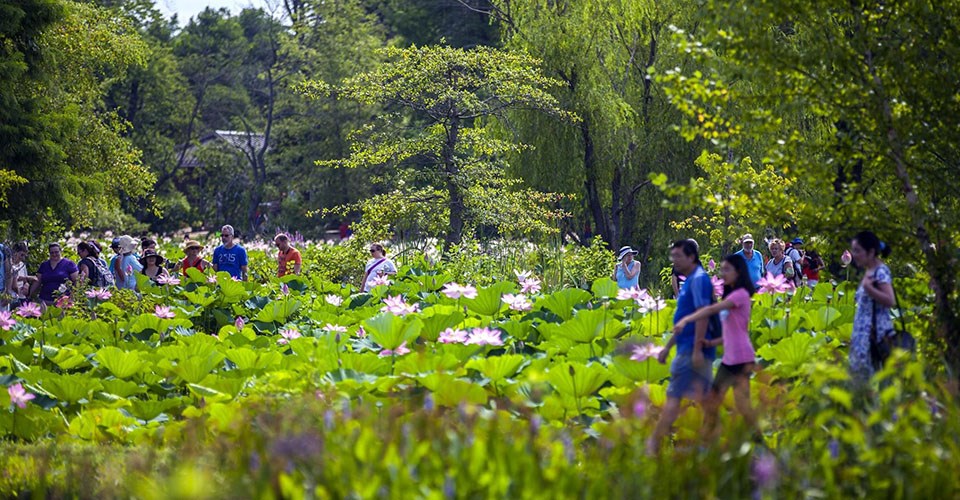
(662, 357)
(697, 358)
(677, 328)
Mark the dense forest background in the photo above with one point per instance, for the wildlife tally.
(636, 121)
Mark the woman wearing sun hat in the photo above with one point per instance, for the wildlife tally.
(152, 263)
(627, 272)
(192, 249)
(125, 266)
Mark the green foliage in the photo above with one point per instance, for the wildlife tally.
(449, 93)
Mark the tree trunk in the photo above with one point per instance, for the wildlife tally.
(455, 194)
(594, 205)
(943, 280)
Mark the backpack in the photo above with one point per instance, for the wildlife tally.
(794, 255)
(100, 276)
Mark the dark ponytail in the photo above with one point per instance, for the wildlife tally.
(869, 241)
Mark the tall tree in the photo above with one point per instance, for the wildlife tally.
(603, 51)
(62, 139)
(450, 158)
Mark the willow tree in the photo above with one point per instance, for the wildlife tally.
(603, 51)
(432, 146)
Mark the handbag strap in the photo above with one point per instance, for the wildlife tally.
(903, 324)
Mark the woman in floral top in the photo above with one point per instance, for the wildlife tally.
(874, 299)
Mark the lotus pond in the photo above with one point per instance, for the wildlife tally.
(301, 387)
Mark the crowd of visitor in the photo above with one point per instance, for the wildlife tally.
(703, 319)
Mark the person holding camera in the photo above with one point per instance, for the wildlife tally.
(627, 272)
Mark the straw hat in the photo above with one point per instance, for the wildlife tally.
(127, 243)
(192, 244)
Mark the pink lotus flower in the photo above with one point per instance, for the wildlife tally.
(168, 280)
(399, 351)
(212, 279)
(774, 284)
(712, 265)
(335, 328)
(452, 336)
(380, 281)
(6, 322)
(163, 312)
(30, 310)
(334, 300)
(284, 289)
(99, 294)
(286, 335)
(846, 258)
(530, 285)
(361, 332)
(455, 291)
(239, 323)
(396, 306)
(717, 286)
(484, 336)
(19, 396)
(645, 352)
(64, 302)
(633, 293)
(517, 302)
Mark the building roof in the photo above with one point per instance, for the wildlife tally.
(246, 143)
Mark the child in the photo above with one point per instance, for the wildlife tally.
(738, 353)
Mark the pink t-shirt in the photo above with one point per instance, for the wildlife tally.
(737, 348)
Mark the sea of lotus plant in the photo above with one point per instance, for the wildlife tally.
(205, 386)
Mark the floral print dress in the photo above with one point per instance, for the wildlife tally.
(860, 365)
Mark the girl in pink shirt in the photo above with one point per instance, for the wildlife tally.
(738, 354)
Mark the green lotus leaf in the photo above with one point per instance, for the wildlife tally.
(577, 380)
(488, 301)
(563, 303)
(122, 364)
(498, 368)
(389, 331)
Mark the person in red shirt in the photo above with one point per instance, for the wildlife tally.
(286, 255)
(192, 249)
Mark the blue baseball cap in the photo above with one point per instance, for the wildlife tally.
(796, 241)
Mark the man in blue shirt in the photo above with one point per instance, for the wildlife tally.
(691, 372)
(229, 256)
(753, 258)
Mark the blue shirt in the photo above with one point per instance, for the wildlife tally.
(622, 280)
(696, 292)
(754, 265)
(230, 260)
(130, 267)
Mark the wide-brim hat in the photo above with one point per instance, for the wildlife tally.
(151, 253)
(624, 251)
(192, 244)
(127, 243)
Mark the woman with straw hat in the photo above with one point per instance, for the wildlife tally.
(192, 249)
(627, 272)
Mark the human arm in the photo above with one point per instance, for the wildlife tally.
(243, 273)
(297, 263)
(675, 283)
(703, 313)
(662, 357)
(698, 339)
(631, 274)
(880, 292)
